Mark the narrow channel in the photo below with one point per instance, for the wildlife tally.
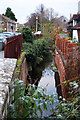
(48, 80)
(45, 77)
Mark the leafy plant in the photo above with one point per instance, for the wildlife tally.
(35, 52)
(27, 34)
(35, 101)
(29, 105)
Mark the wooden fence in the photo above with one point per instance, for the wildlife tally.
(65, 46)
(13, 46)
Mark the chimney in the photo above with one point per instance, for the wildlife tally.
(79, 7)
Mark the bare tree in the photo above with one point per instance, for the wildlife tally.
(45, 16)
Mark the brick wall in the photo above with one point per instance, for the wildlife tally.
(22, 69)
(67, 58)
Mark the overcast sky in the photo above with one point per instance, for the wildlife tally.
(23, 8)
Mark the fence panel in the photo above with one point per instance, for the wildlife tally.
(13, 46)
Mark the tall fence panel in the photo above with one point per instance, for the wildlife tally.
(65, 46)
(13, 46)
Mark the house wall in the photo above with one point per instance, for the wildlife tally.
(75, 36)
(8, 25)
(79, 35)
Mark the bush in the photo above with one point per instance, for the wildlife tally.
(2, 31)
(37, 100)
(35, 52)
(27, 34)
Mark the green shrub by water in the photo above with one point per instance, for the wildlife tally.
(36, 51)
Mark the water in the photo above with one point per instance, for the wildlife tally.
(48, 81)
(44, 77)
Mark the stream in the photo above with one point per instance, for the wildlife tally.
(48, 80)
(44, 77)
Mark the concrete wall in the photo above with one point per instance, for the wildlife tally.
(9, 70)
(7, 76)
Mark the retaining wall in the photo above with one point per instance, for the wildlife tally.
(67, 58)
(7, 76)
(8, 73)
(22, 68)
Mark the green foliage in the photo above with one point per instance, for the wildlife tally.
(29, 105)
(27, 34)
(2, 31)
(49, 31)
(37, 100)
(10, 14)
(35, 52)
(70, 33)
(61, 29)
(19, 65)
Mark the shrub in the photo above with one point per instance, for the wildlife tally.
(2, 31)
(36, 101)
(35, 52)
(27, 34)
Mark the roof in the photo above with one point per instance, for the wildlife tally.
(8, 19)
(76, 16)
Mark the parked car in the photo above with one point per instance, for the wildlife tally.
(1, 45)
(9, 33)
(4, 35)
(16, 33)
(3, 42)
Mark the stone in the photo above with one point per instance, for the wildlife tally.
(7, 68)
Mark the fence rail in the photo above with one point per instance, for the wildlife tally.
(65, 46)
(13, 46)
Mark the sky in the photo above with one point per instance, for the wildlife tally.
(23, 8)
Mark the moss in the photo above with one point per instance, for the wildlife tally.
(19, 63)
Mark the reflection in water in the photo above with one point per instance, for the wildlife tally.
(48, 81)
(57, 82)
(44, 76)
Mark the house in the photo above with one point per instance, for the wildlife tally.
(19, 27)
(74, 25)
(6, 24)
